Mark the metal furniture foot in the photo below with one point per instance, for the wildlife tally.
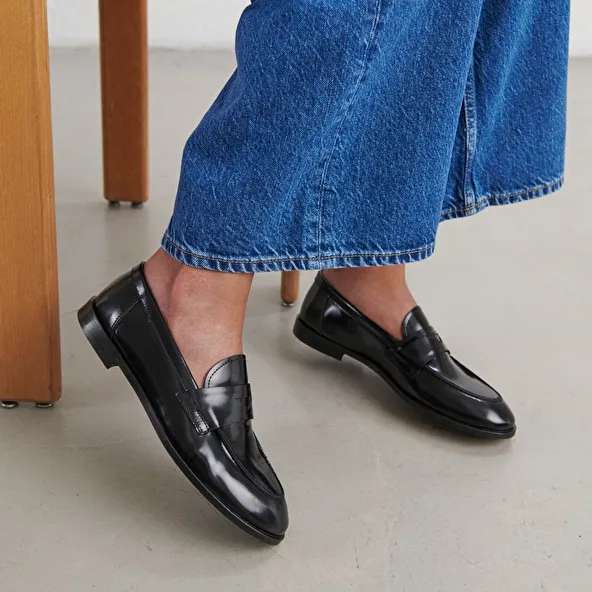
(8, 404)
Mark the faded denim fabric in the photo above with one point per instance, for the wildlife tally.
(351, 128)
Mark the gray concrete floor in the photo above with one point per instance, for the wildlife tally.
(380, 499)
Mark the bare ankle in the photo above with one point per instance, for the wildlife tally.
(381, 293)
(206, 313)
(204, 309)
(160, 272)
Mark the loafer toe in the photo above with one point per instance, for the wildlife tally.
(273, 518)
(499, 418)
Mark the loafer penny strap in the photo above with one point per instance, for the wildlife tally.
(423, 347)
(213, 408)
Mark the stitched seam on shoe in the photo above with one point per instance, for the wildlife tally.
(155, 331)
(189, 412)
(420, 369)
(120, 318)
(269, 465)
(230, 448)
(248, 473)
(219, 368)
(323, 315)
(461, 390)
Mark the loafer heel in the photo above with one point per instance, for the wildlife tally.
(97, 336)
(311, 338)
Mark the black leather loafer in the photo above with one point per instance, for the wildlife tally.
(419, 367)
(207, 431)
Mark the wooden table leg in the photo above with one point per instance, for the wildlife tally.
(290, 287)
(124, 82)
(29, 315)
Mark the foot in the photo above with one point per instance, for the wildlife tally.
(380, 293)
(417, 364)
(204, 310)
(206, 430)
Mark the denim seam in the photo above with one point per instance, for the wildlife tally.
(281, 259)
(363, 70)
(419, 253)
(488, 199)
(471, 137)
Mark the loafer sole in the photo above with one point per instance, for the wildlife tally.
(325, 346)
(111, 356)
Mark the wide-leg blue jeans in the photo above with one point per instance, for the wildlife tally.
(351, 128)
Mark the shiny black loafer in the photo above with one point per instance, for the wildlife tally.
(207, 431)
(419, 367)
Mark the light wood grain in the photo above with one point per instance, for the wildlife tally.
(29, 316)
(124, 83)
(290, 287)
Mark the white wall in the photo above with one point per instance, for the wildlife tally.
(581, 27)
(172, 23)
(211, 23)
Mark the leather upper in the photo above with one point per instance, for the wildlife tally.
(209, 427)
(420, 364)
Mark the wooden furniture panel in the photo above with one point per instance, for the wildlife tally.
(29, 315)
(124, 84)
(290, 287)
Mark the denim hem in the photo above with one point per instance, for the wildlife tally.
(503, 199)
(293, 263)
(214, 263)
